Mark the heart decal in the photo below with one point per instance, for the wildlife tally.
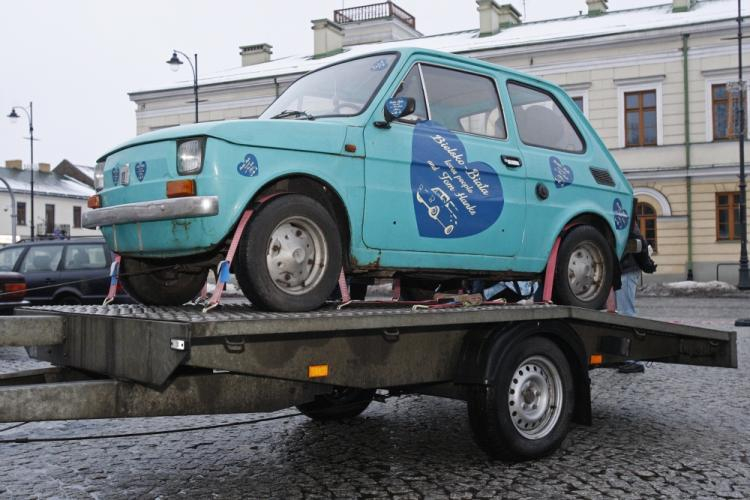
(621, 215)
(140, 170)
(562, 174)
(115, 175)
(248, 166)
(452, 196)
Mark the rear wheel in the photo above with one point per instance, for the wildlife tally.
(585, 268)
(340, 404)
(68, 299)
(526, 412)
(152, 285)
(289, 257)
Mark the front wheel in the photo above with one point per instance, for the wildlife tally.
(526, 412)
(585, 269)
(152, 284)
(289, 257)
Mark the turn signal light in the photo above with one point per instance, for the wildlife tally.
(317, 371)
(596, 359)
(15, 291)
(95, 201)
(178, 189)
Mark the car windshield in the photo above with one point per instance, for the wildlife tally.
(339, 90)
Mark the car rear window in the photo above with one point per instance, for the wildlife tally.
(41, 258)
(8, 258)
(89, 256)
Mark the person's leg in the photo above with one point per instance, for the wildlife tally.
(626, 294)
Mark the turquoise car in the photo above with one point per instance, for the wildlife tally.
(410, 163)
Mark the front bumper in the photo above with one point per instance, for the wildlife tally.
(172, 208)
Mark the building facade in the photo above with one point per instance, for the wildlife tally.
(657, 83)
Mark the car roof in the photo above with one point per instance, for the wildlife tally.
(82, 239)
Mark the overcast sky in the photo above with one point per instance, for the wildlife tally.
(77, 59)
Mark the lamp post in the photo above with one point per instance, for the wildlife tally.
(744, 275)
(30, 115)
(175, 63)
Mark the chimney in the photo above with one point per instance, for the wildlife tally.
(17, 164)
(682, 5)
(597, 7)
(380, 22)
(44, 167)
(329, 38)
(255, 54)
(494, 17)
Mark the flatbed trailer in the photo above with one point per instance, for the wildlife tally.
(522, 369)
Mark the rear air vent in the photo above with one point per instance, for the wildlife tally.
(602, 176)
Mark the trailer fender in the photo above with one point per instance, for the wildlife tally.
(484, 349)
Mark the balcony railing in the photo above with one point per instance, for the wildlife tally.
(372, 11)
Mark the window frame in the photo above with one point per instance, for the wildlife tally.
(635, 85)
(711, 113)
(641, 110)
(49, 228)
(731, 208)
(20, 205)
(564, 111)
(75, 246)
(33, 248)
(77, 216)
(642, 218)
(492, 78)
(579, 90)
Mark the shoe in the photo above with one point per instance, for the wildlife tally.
(631, 367)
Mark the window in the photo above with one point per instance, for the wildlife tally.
(85, 257)
(412, 87)
(647, 222)
(725, 112)
(640, 118)
(49, 219)
(8, 258)
(728, 216)
(579, 101)
(41, 258)
(541, 121)
(21, 213)
(77, 217)
(463, 102)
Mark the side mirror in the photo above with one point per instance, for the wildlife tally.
(397, 107)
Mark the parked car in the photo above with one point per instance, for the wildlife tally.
(416, 163)
(69, 272)
(12, 291)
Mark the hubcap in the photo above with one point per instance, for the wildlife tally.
(586, 271)
(297, 255)
(535, 397)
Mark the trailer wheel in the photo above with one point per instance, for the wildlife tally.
(152, 285)
(526, 411)
(585, 268)
(340, 404)
(289, 256)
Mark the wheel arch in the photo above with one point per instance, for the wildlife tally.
(484, 350)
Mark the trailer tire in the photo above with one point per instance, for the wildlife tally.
(584, 270)
(526, 410)
(340, 404)
(153, 285)
(289, 257)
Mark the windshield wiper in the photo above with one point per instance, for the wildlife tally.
(293, 112)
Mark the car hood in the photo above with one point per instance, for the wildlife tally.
(302, 135)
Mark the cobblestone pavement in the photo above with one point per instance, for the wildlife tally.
(674, 432)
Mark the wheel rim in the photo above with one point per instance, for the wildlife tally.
(535, 397)
(586, 271)
(297, 255)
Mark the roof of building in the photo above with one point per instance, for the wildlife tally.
(554, 30)
(45, 183)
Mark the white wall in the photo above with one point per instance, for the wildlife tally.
(63, 214)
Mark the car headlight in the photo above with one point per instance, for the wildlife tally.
(190, 156)
(99, 176)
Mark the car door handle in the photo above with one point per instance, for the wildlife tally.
(511, 161)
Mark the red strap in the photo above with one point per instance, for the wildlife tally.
(216, 297)
(344, 288)
(114, 276)
(549, 275)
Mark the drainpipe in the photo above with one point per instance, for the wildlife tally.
(276, 86)
(688, 179)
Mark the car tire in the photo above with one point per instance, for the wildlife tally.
(526, 410)
(151, 284)
(340, 404)
(68, 299)
(289, 256)
(584, 270)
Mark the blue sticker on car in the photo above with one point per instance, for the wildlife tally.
(140, 170)
(621, 215)
(453, 196)
(561, 174)
(115, 175)
(396, 106)
(379, 65)
(249, 166)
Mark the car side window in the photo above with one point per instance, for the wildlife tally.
(412, 87)
(41, 258)
(464, 102)
(90, 256)
(8, 258)
(541, 121)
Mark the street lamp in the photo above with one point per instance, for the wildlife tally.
(744, 275)
(175, 63)
(30, 115)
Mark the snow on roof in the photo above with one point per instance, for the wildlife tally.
(45, 183)
(554, 30)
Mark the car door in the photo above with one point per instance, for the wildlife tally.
(40, 268)
(446, 178)
(87, 264)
